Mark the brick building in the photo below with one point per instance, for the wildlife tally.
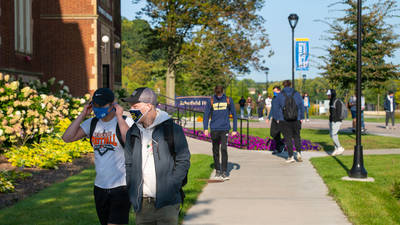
(77, 41)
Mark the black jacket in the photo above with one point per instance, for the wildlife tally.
(335, 108)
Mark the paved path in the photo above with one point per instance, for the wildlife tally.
(265, 190)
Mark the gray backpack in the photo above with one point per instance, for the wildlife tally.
(343, 113)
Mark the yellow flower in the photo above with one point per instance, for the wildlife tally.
(4, 122)
(8, 130)
(10, 111)
(1, 90)
(6, 77)
(87, 96)
(14, 85)
(1, 76)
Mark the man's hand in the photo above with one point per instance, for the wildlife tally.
(301, 121)
(267, 120)
(119, 111)
(206, 132)
(233, 133)
(87, 109)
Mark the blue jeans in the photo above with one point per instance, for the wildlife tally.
(306, 110)
(242, 112)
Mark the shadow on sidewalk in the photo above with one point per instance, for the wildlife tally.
(231, 166)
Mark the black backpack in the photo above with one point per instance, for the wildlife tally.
(93, 124)
(168, 129)
(290, 110)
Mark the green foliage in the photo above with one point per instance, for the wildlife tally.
(379, 42)
(9, 178)
(50, 152)
(364, 203)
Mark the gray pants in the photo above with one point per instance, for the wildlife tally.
(149, 215)
(389, 115)
(334, 128)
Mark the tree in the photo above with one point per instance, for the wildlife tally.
(379, 42)
(232, 24)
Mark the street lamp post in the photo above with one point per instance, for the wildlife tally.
(358, 170)
(293, 19)
(266, 79)
(304, 82)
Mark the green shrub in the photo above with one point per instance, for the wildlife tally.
(9, 178)
(396, 190)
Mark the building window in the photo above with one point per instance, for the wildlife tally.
(106, 76)
(23, 26)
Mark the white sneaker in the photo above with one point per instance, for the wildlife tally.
(340, 151)
(334, 152)
(308, 120)
(218, 175)
(299, 157)
(290, 160)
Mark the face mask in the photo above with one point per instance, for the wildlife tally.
(275, 94)
(137, 115)
(101, 112)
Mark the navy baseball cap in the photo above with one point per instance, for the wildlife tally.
(103, 96)
(143, 94)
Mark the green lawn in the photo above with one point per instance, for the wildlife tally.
(71, 201)
(346, 139)
(380, 119)
(364, 203)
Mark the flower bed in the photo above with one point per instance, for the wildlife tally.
(255, 143)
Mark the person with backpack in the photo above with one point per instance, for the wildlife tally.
(106, 132)
(157, 160)
(290, 117)
(242, 102)
(219, 108)
(389, 106)
(337, 112)
(275, 131)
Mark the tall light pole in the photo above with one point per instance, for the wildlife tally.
(293, 19)
(358, 170)
(266, 79)
(304, 82)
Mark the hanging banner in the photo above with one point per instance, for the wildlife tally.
(302, 54)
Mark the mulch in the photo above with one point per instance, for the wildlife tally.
(41, 178)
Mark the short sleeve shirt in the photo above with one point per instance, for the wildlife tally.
(109, 156)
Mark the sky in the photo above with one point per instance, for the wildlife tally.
(276, 14)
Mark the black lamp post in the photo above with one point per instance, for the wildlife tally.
(266, 79)
(304, 82)
(358, 170)
(293, 19)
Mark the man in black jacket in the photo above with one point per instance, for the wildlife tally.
(275, 130)
(155, 169)
(335, 109)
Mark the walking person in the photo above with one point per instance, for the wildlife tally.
(390, 106)
(268, 105)
(260, 106)
(249, 103)
(107, 134)
(157, 160)
(275, 130)
(335, 120)
(306, 100)
(353, 109)
(290, 117)
(219, 108)
(242, 103)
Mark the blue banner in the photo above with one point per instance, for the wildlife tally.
(302, 54)
(192, 102)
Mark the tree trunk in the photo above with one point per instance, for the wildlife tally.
(170, 85)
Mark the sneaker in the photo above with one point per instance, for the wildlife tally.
(274, 152)
(225, 176)
(387, 127)
(334, 152)
(217, 175)
(299, 157)
(340, 151)
(308, 120)
(290, 160)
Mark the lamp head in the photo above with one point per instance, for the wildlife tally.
(293, 19)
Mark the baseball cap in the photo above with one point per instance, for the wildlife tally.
(103, 96)
(143, 94)
(329, 92)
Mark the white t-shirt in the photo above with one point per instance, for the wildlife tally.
(268, 102)
(109, 156)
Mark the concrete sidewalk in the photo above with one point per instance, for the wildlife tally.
(264, 190)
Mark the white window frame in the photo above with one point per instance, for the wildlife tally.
(23, 26)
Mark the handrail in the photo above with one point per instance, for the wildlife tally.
(179, 118)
